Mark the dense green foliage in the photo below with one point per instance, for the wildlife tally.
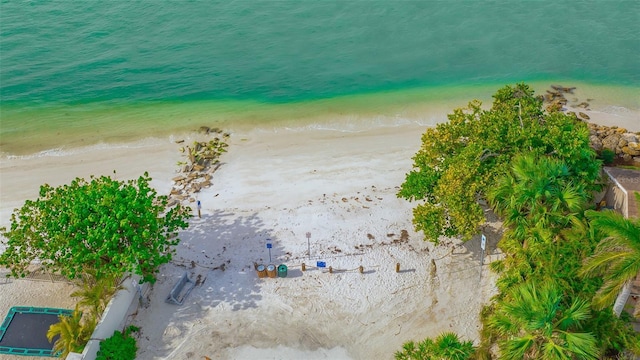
(461, 159)
(446, 346)
(538, 173)
(120, 346)
(74, 332)
(539, 200)
(533, 323)
(607, 156)
(617, 258)
(546, 239)
(103, 225)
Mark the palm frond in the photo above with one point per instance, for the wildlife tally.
(517, 348)
(582, 344)
(574, 315)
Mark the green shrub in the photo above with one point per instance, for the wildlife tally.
(120, 346)
(607, 156)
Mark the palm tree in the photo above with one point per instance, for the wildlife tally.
(538, 199)
(95, 293)
(447, 346)
(72, 331)
(616, 258)
(533, 323)
(537, 193)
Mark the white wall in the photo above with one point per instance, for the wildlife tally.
(114, 317)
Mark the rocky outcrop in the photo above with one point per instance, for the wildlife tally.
(202, 159)
(555, 99)
(623, 143)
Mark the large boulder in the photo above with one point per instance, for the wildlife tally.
(632, 148)
(611, 141)
(630, 137)
(595, 143)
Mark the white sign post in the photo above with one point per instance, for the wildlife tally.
(483, 245)
(309, 245)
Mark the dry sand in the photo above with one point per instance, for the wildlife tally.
(275, 186)
(341, 189)
(278, 185)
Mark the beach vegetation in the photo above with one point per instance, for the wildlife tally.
(447, 346)
(616, 259)
(535, 322)
(541, 205)
(607, 156)
(120, 346)
(73, 332)
(103, 226)
(461, 159)
(537, 172)
(546, 239)
(95, 293)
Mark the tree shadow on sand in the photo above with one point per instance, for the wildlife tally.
(492, 230)
(219, 252)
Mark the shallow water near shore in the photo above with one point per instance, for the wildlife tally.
(109, 73)
(56, 130)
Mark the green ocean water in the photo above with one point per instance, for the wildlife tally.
(80, 73)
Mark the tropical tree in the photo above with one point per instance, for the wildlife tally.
(538, 192)
(542, 206)
(102, 225)
(616, 258)
(461, 159)
(73, 331)
(534, 323)
(447, 346)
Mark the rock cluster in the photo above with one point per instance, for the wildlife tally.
(556, 100)
(201, 161)
(623, 143)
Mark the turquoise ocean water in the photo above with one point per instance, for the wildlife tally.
(76, 73)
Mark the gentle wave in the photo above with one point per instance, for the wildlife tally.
(62, 152)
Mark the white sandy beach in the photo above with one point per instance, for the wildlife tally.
(340, 188)
(275, 186)
(280, 185)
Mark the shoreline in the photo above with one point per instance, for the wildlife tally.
(33, 131)
(22, 175)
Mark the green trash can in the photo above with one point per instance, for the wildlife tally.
(282, 270)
